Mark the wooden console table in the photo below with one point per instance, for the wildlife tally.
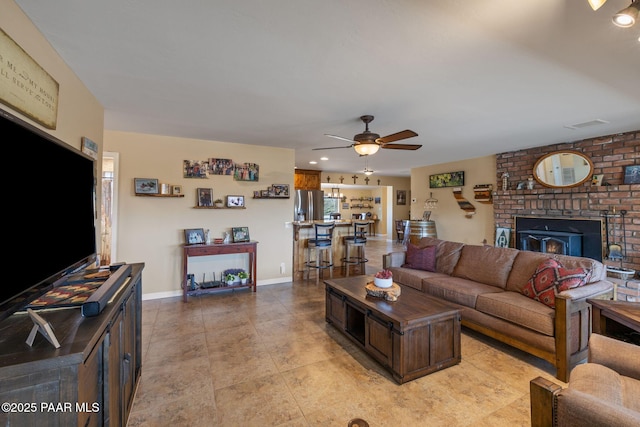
(616, 319)
(249, 248)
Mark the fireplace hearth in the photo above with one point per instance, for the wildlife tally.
(576, 237)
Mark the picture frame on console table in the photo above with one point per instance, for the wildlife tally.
(240, 234)
(194, 236)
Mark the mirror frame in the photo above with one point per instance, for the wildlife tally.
(546, 156)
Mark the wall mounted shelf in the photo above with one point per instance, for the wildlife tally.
(160, 195)
(218, 207)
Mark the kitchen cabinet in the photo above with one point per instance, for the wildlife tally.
(305, 179)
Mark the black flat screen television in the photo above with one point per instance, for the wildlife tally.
(50, 206)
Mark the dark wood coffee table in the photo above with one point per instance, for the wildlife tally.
(411, 337)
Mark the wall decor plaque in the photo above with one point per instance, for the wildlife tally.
(25, 86)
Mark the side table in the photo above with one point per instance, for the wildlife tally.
(616, 319)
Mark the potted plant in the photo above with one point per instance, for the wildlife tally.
(244, 277)
(229, 278)
(218, 203)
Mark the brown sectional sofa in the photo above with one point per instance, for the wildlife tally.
(486, 282)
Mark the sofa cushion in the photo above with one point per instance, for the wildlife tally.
(456, 289)
(552, 277)
(447, 256)
(516, 308)
(526, 263)
(485, 264)
(421, 258)
(412, 278)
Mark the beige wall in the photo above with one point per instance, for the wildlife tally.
(451, 222)
(151, 230)
(79, 113)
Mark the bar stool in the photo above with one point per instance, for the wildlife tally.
(322, 243)
(355, 242)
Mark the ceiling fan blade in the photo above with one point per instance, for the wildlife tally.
(401, 146)
(339, 137)
(332, 148)
(397, 136)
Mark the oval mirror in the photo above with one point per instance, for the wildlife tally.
(563, 169)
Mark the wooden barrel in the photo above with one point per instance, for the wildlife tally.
(420, 229)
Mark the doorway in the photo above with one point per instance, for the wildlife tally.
(108, 203)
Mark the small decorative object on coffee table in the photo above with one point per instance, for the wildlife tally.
(383, 279)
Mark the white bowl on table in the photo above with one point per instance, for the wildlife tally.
(383, 283)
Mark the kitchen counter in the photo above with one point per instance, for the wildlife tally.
(304, 230)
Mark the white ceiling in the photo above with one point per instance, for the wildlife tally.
(472, 78)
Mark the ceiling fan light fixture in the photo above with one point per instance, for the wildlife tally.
(595, 4)
(368, 172)
(366, 149)
(627, 17)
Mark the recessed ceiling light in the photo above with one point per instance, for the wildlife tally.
(313, 162)
(324, 158)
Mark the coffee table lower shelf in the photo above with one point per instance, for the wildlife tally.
(411, 337)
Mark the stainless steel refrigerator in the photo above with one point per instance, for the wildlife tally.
(309, 205)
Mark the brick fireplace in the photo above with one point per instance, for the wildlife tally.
(609, 154)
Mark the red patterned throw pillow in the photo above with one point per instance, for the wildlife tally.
(551, 278)
(421, 258)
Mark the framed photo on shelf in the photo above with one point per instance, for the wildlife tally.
(205, 197)
(146, 185)
(194, 236)
(240, 234)
(176, 189)
(264, 193)
(235, 201)
(632, 174)
(503, 236)
(280, 190)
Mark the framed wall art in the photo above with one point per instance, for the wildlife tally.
(194, 236)
(221, 166)
(235, 201)
(401, 197)
(632, 174)
(146, 185)
(240, 234)
(195, 168)
(246, 172)
(448, 179)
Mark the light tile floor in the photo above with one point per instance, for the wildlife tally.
(269, 359)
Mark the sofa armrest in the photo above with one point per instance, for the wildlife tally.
(575, 408)
(542, 395)
(622, 357)
(589, 290)
(393, 259)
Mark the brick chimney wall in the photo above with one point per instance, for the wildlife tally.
(610, 155)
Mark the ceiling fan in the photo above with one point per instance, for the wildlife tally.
(367, 142)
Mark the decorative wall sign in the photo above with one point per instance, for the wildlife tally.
(502, 237)
(89, 147)
(449, 179)
(25, 86)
